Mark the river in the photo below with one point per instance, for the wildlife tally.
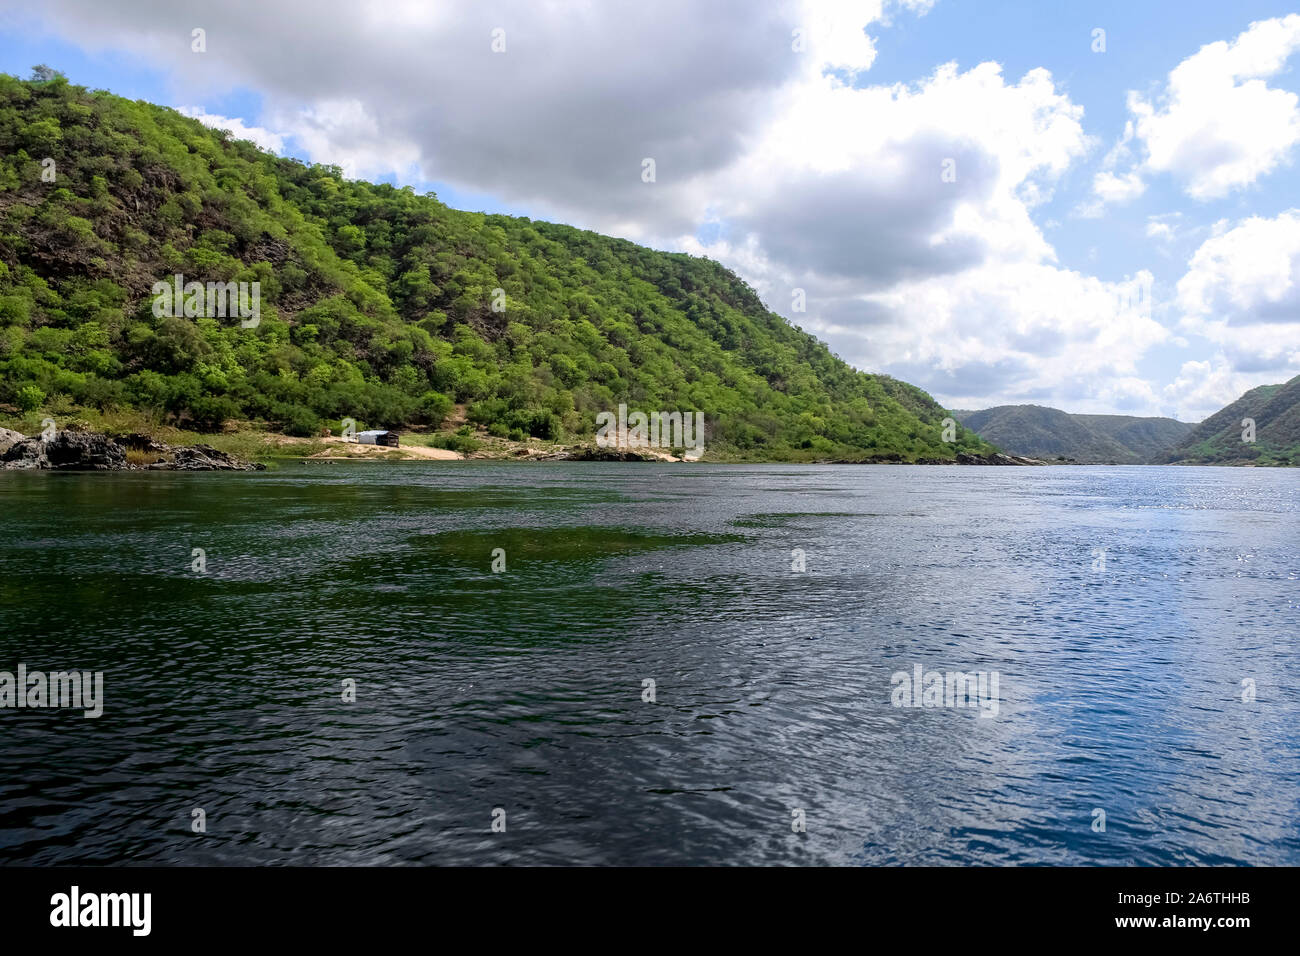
(670, 664)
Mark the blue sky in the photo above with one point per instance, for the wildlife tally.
(1081, 178)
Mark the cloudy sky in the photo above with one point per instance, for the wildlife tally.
(1089, 205)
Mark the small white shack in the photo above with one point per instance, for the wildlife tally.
(378, 437)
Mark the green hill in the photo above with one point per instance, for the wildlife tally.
(1219, 439)
(1039, 432)
(1051, 434)
(379, 304)
(1145, 438)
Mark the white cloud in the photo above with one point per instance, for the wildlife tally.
(850, 183)
(346, 134)
(1112, 188)
(1242, 292)
(949, 285)
(1022, 331)
(833, 36)
(1165, 227)
(264, 138)
(1203, 388)
(1217, 126)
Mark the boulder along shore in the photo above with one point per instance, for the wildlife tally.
(92, 451)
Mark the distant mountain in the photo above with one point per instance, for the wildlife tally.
(1145, 437)
(1219, 440)
(1051, 434)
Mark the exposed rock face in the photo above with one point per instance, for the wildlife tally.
(27, 453)
(84, 451)
(963, 458)
(9, 438)
(598, 453)
(203, 458)
(138, 442)
(67, 451)
(88, 451)
(610, 454)
(996, 459)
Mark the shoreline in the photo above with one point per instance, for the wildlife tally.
(78, 448)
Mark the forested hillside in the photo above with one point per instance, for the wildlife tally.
(1054, 435)
(1274, 411)
(378, 303)
(1146, 438)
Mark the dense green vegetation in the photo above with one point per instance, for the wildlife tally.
(378, 304)
(1050, 434)
(1218, 440)
(1146, 438)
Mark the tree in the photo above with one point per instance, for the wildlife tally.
(45, 74)
(30, 398)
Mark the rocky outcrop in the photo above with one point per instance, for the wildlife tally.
(598, 453)
(67, 451)
(996, 459)
(84, 451)
(9, 438)
(202, 458)
(25, 453)
(590, 453)
(139, 442)
(963, 458)
(90, 451)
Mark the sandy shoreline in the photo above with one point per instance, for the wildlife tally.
(343, 450)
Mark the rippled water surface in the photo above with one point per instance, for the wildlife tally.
(1121, 672)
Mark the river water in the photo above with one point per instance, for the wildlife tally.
(1136, 629)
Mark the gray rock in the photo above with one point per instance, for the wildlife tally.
(204, 458)
(89, 451)
(28, 453)
(139, 442)
(597, 453)
(997, 458)
(9, 438)
(84, 451)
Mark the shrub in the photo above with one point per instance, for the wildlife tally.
(464, 444)
(210, 412)
(301, 422)
(30, 398)
(434, 408)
